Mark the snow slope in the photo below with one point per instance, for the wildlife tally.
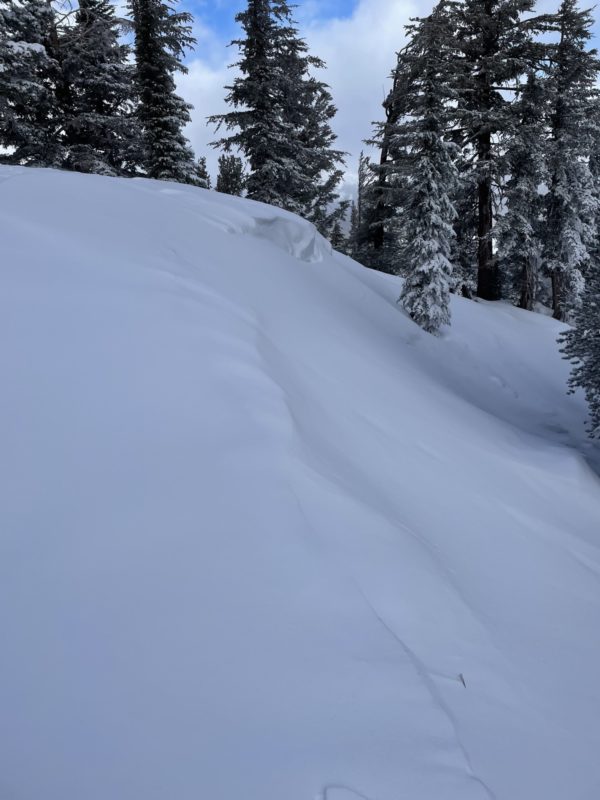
(263, 539)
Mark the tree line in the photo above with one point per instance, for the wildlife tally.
(487, 180)
(76, 94)
(489, 157)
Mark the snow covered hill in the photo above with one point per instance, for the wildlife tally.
(263, 539)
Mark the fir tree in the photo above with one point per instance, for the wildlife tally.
(364, 212)
(337, 238)
(520, 234)
(571, 202)
(352, 245)
(100, 131)
(231, 179)
(202, 177)
(581, 343)
(495, 44)
(465, 242)
(582, 346)
(429, 212)
(319, 162)
(387, 194)
(281, 116)
(30, 113)
(162, 35)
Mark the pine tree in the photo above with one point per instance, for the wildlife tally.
(319, 162)
(281, 116)
(337, 238)
(202, 177)
(162, 35)
(429, 212)
(231, 179)
(352, 245)
(495, 44)
(465, 242)
(581, 343)
(100, 130)
(365, 213)
(520, 233)
(571, 202)
(582, 346)
(388, 192)
(30, 113)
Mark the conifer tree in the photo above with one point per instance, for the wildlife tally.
(520, 234)
(162, 35)
(582, 347)
(465, 242)
(352, 246)
(337, 238)
(231, 179)
(100, 130)
(202, 177)
(581, 343)
(281, 116)
(319, 162)
(429, 212)
(571, 201)
(495, 44)
(30, 113)
(365, 213)
(388, 195)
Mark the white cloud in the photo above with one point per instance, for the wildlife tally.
(360, 54)
(359, 51)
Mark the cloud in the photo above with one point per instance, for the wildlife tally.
(360, 53)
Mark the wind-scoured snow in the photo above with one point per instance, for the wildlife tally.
(261, 538)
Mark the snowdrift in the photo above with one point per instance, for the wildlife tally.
(263, 539)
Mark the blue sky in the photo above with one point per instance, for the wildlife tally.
(220, 14)
(357, 38)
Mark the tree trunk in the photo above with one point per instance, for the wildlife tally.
(559, 310)
(391, 118)
(527, 286)
(487, 269)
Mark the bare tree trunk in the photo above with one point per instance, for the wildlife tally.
(488, 286)
(559, 310)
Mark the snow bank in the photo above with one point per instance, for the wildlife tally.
(262, 538)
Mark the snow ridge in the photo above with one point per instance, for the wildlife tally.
(255, 524)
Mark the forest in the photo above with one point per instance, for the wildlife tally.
(486, 178)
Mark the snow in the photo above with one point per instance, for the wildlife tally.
(263, 538)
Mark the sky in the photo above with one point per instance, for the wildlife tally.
(358, 39)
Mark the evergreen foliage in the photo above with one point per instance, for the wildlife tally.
(202, 177)
(520, 229)
(30, 112)
(388, 195)
(496, 47)
(352, 244)
(465, 244)
(571, 201)
(429, 212)
(364, 214)
(231, 178)
(337, 237)
(100, 130)
(162, 35)
(581, 344)
(281, 116)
